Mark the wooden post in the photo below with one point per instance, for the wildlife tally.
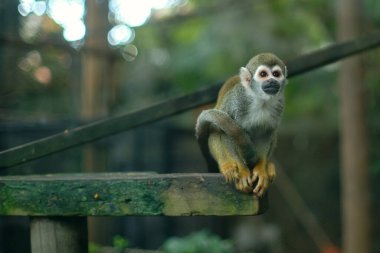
(354, 147)
(59, 235)
(94, 94)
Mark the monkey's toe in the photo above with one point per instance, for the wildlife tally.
(229, 176)
(229, 171)
(244, 184)
(262, 182)
(243, 181)
(238, 173)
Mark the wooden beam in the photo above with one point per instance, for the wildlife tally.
(119, 194)
(103, 128)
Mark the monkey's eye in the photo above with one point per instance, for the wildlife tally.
(276, 73)
(263, 73)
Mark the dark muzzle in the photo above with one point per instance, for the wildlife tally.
(271, 87)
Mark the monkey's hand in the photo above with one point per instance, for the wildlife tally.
(237, 172)
(263, 174)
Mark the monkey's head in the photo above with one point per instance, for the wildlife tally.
(265, 75)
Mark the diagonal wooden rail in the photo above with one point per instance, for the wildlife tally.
(93, 131)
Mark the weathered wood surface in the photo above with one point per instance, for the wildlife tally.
(118, 194)
(58, 234)
(90, 132)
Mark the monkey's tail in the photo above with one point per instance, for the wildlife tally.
(214, 119)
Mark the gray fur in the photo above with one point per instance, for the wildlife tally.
(259, 118)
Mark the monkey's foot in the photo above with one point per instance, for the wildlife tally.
(261, 176)
(271, 172)
(238, 173)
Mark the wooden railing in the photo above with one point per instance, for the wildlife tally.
(59, 204)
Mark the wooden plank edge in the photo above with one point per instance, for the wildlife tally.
(119, 194)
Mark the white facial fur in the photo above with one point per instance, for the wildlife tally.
(262, 73)
(263, 106)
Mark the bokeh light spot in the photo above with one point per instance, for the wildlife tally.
(74, 31)
(129, 52)
(120, 35)
(43, 75)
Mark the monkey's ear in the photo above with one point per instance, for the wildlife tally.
(245, 77)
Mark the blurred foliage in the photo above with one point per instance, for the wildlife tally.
(119, 244)
(198, 242)
(202, 44)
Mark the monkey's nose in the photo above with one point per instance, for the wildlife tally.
(271, 87)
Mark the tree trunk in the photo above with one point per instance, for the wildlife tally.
(354, 137)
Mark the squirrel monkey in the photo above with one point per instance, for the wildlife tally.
(239, 134)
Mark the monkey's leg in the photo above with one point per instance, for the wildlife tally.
(230, 165)
(260, 173)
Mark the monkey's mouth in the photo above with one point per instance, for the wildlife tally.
(271, 88)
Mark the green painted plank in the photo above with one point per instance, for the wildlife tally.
(118, 194)
(90, 132)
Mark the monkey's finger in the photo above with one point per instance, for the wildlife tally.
(258, 186)
(257, 190)
(263, 188)
(243, 186)
(250, 181)
(261, 185)
(262, 191)
(245, 181)
(255, 175)
(228, 177)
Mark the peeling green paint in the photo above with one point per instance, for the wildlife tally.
(117, 194)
